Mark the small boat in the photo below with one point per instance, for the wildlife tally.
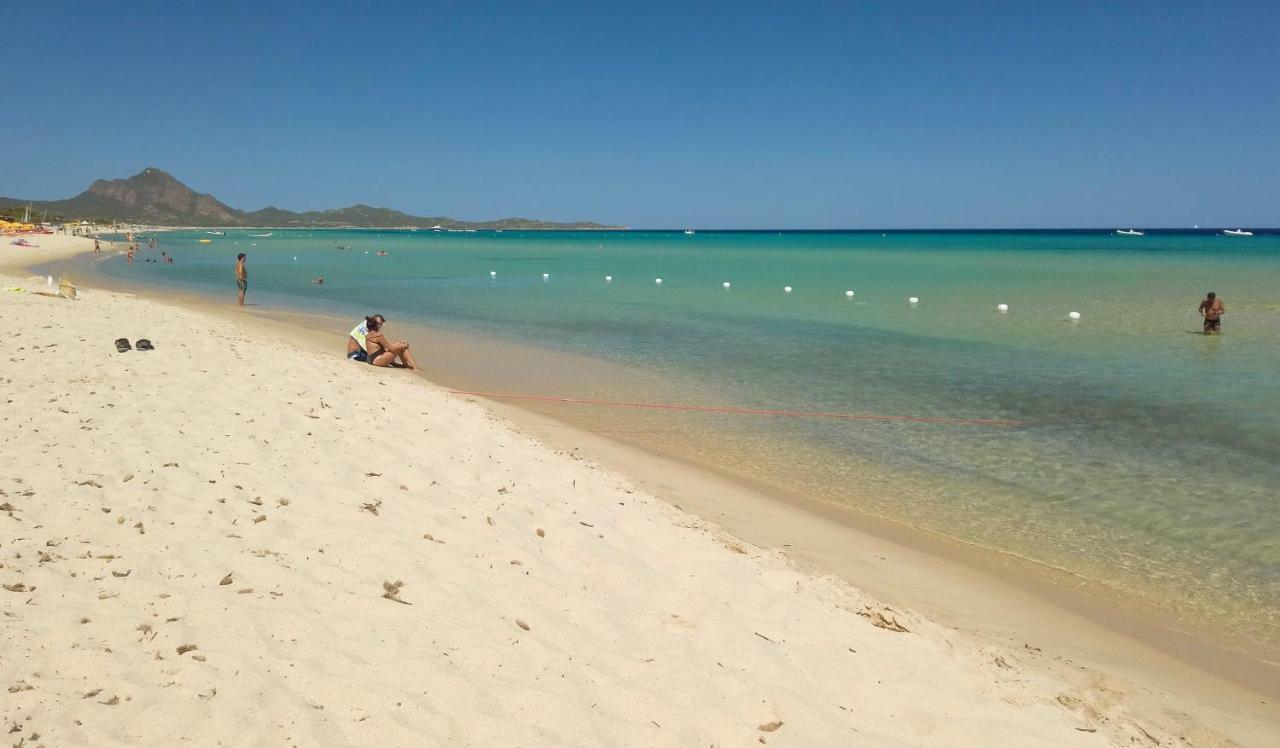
(262, 236)
(216, 233)
(1237, 232)
(204, 241)
(688, 232)
(1129, 232)
(437, 227)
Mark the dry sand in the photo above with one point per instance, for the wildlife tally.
(233, 539)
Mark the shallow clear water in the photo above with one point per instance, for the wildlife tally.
(1149, 459)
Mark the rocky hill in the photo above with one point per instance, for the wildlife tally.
(155, 197)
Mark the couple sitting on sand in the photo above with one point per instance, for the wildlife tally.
(367, 343)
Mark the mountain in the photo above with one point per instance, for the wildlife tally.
(155, 197)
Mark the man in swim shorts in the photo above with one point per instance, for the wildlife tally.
(242, 278)
(356, 348)
(1212, 310)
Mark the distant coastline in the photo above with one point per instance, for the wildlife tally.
(155, 197)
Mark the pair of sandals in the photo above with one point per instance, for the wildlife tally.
(122, 345)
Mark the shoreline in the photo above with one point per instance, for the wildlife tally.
(764, 519)
(1095, 601)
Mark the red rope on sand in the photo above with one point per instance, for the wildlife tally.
(751, 411)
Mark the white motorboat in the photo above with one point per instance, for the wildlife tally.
(1129, 232)
(1237, 232)
(688, 232)
(216, 233)
(262, 236)
(437, 227)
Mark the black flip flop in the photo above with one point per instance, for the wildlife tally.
(122, 345)
(145, 345)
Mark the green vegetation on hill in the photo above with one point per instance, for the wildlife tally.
(155, 197)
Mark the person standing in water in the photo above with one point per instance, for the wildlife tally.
(242, 278)
(1212, 310)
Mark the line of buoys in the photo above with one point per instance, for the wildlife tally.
(726, 285)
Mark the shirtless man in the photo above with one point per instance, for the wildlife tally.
(242, 278)
(1212, 310)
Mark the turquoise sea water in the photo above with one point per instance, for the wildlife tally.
(1149, 459)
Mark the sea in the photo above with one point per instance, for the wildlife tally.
(1122, 448)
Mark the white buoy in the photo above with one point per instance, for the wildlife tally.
(849, 294)
(726, 285)
(786, 289)
(1074, 315)
(545, 276)
(658, 281)
(608, 279)
(913, 300)
(1002, 307)
(493, 273)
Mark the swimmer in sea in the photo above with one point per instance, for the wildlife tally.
(1212, 309)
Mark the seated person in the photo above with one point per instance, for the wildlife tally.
(356, 341)
(384, 352)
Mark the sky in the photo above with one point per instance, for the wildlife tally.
(751, 115)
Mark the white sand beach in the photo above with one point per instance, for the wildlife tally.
(236, 539)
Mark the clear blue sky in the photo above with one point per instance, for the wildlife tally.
(894, 114)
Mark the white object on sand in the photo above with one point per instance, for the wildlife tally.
(1002, 307)
(1074, 315)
